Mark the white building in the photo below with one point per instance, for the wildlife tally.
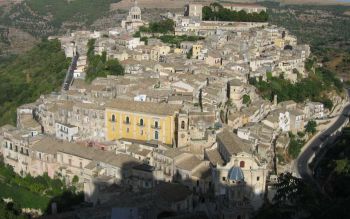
(314, 110)
(65, 131)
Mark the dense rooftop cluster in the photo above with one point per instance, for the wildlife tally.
(184, 125)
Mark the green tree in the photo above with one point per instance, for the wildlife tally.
(189, 54)
(75, 179)
(207, 13)
(217, 12)
(246, 99)
(163, 26)
(295, 146)
(311, 127)
(98, 66)
(144, 39)
(24, 78)
(328, 104)
(114, 67)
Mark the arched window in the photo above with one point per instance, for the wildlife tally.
(156, 124)
(113, 118)
(156, 135)
(127, 120)
(183, 125)
(242, 164)
(141, 122)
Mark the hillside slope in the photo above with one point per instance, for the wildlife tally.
(25, 77)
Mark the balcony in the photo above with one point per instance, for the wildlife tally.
(113, 121)
(156, 127)
(141, 125)
(12, 158)
(126, 123)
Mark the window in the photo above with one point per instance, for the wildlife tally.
(223, 178)
(183, 125)
(113, 118)
(156, 124)
(127, 130)
(257, 178)
(81, 164)
(127, 120)
(141, 132)
(141, 122)
(242, 164)
(156, 135)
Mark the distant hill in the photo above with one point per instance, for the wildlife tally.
(325, 27)
(42, 18)
(316, 2)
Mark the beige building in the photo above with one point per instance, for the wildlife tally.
(242, 177)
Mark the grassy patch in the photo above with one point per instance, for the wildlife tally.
(176, 40)
(23, 197)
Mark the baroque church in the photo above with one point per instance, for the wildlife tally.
(134, 20)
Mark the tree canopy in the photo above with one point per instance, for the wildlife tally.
(311, 127)
(163, 26)
(215, 11)
(99, 66)
(313, 88)
(25, 77)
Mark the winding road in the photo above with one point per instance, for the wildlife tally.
(305, 156)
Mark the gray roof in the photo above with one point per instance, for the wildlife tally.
(188, 163)
(51, 146)
(143, 107)
(232, 142)
(214, 157)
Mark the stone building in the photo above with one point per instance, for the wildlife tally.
(134, 20)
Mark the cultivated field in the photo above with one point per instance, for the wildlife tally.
(126, 4)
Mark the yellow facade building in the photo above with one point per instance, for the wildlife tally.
(142, 121)
(279, 42)
(196, 49)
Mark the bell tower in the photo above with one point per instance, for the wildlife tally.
(182, 130)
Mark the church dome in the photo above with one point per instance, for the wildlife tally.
(135, 10)
(235, 174)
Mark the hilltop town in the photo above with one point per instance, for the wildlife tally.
(156, 119)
